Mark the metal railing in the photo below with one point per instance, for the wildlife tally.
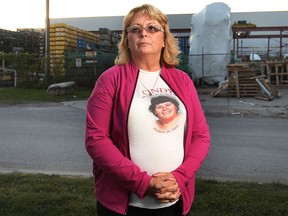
(8, 77)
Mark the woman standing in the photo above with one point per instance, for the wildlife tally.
(139, 171)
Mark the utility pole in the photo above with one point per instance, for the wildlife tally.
(47, 44)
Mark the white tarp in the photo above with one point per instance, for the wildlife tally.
(210, 42)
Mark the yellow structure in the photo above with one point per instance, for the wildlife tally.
(65, 38)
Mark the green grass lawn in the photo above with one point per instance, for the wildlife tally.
(38, 194)
(24, 194)
(20, 95)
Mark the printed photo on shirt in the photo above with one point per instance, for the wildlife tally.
(166, 109)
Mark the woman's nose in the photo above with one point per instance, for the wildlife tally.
(143, 32)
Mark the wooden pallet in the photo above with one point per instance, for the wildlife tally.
(268, 91)
(277, 72)
(244, 82)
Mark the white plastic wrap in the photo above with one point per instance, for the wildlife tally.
(210, 43)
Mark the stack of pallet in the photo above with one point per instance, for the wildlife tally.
(65, 38)
(276, 72)
(7, 40)
(31, 40)
(245, 81)
(241, 84)
(108, 39)
(23, 40)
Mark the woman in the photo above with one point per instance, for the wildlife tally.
(138, 171)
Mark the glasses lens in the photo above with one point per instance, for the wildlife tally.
(150, 29)
(134, 29)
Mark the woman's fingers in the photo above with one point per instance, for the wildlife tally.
(168, 196)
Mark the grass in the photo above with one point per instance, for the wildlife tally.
(27, 194)
(20, 95)
(38, 194)
(240, 198)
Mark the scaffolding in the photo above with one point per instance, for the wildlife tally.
(246, 32)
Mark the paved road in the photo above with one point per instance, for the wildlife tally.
(49, 138)
(254, 149)
(45, 138)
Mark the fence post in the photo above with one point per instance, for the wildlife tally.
(202, 67)
(15, 78)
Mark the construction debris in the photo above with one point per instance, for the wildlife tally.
(245, 80)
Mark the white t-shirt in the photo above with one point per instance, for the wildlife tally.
(156, 136)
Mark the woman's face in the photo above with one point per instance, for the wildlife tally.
(165, 111)
(143, 42)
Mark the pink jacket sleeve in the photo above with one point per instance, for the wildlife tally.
(100, 146)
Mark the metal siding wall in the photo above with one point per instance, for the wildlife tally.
(262, 19)
(176, 21)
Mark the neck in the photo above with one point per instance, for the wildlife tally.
(148, 63)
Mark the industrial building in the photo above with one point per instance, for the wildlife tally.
(270, 33)
(78, 39)
(256, 34)
(275, 35)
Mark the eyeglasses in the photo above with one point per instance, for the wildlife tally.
(136, 29)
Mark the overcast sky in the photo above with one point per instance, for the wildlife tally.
(31, 13)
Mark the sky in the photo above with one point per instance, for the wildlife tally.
(32, 13)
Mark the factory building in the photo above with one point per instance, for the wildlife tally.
(269, 32)
(180, 25)
(88, 45)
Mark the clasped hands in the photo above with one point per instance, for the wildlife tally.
(164, 187)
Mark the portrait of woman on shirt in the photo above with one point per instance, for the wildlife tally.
(166, 109)
(138, 171)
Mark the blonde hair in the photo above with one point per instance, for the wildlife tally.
(170, 52)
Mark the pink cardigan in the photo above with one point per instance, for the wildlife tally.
(106, 139)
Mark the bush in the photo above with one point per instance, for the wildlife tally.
(28, 66)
